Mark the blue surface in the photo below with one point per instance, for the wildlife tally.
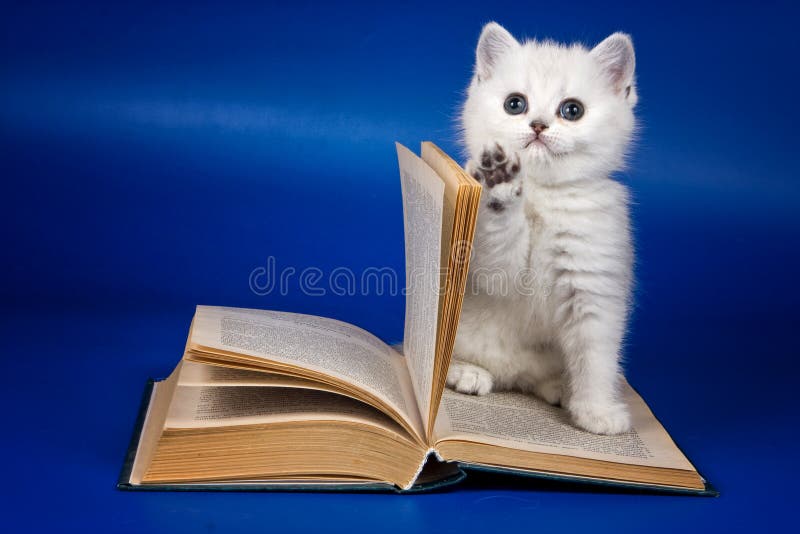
(152, 156)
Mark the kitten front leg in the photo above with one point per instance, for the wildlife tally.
(591, 343)
(502, 233)
(501, 247)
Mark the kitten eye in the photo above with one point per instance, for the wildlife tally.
(515, 104)
(571, 109)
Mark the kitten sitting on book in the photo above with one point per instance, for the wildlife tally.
(545, 125)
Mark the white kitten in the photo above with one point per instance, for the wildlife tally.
(545, 125)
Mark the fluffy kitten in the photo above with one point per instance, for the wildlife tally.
(545, 125)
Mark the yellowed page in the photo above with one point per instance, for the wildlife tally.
(327, 346)
(200, 374)
(519, 421)
(461, 202)
(215, 406)
(153, 424)
(449, 205)
(423, 197)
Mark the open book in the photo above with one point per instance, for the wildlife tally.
(275, 400)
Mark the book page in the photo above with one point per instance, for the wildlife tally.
(157, 409)
(329, 347)
(423, 197)
(201, 374)
(214, 406)
(461, 202)
(520, 421)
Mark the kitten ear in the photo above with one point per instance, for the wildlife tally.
(494, 42)
(615, 54)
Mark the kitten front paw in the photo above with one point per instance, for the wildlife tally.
(468, 378)
(500, 175)
(601, 418)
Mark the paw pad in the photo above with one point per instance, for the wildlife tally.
(496, 168)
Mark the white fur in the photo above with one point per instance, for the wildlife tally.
(550, 277)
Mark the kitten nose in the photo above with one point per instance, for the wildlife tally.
(538, 127)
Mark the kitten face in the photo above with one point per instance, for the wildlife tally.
(566, 110)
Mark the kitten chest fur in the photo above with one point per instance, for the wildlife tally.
(579, 242)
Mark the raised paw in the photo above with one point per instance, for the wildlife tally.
(500, 175)
(601, 418)
(496, 167)
(468, 378)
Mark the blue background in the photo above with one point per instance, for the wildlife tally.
(153, 155)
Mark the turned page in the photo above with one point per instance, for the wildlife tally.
(214, 406)
(423, 199)
(462, 195)
(326, 346)
(519, 421)
(201, 374)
